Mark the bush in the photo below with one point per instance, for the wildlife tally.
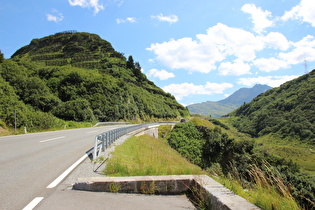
(209, 146)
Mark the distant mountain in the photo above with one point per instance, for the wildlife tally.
(288, 111)
(227, 105)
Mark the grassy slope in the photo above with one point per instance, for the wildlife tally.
(145, 156)
(302, 154)
(215, 109)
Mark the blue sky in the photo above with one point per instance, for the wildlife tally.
(198, 50)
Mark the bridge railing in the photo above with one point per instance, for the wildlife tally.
(104, 140)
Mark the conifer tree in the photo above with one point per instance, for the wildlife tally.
(1, 57)
(130, 63)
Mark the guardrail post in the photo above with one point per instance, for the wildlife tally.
(112, 136)
(106, 139)
(95, 147)
(103, 143)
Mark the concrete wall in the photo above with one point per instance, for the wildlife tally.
(215, 195)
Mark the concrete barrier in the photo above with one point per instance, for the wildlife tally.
(215, 195)
(151, 131)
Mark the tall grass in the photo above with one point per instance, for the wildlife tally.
(268, 190)
(147, 156)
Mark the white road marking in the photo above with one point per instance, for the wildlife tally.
(53, 139)
(68, 171)
(33, 203)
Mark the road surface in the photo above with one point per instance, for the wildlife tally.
(29, 163)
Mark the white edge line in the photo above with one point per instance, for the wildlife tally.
(68, 171)
(33, 203)
(61, 137)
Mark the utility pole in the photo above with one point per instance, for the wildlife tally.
(305, 66)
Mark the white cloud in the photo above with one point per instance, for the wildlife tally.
(202, 54)
(120, 2)
(128, 19)
(232, 51)
(276, 40)
(303, 50)
(233, 41)
(304, 12)
(185, 89)
(162, 75)
(270, 64)
(170, 19)
(299, 52)
(186, 54)
(259, 17)
(273, 81)
(87, 3)
(237, 68)
(55, 16)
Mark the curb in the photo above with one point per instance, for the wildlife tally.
(211, 192)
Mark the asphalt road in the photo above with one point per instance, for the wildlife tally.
(31, 162)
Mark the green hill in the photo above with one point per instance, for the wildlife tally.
(288, 111)
(78, 77)
(214, 108)
(218, 108)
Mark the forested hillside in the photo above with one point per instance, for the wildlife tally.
(288, 111)
(78, 77)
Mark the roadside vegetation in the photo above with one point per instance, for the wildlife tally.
(147, 156)
(60, 125)
(287, 111)
(239, 163)
(244, 165)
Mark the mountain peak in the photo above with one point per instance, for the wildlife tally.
(245, 94)
(223, 107)
(79, 49)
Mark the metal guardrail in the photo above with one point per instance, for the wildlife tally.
(109, 137)
(111, 123)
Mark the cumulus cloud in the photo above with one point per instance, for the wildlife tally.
(303, 50)
(297, 53)
(270, 64)
(55, 16)
(162, 75)
(237, 68)
(202, 54)
(232, 51)
(186, 54)
(303, 12)
(276, 40)
(273, 81)
(128, 19)
(185, 89)
(170, 19)
(259, 17)
(87, 4)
